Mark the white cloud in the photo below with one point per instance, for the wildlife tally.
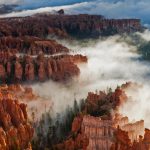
(39, 10)
(24, 4)
(120, 9)
(9, 1)
(145, 35)
(113, 9)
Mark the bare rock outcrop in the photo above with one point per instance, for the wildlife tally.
(15, 131)
(123, 142)
(101, 103)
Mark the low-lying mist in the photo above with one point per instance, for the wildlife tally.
(111, 62)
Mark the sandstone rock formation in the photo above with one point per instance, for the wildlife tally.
(104, 131)
(123, 142)
(27, 68)
(29, 45)
(99, 132)
(101, 103)
(15, 131)
(102, 134)
(19, 92)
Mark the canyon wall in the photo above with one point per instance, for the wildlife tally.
(82, 26)
(98, 133)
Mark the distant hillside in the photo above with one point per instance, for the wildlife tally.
(80, 26)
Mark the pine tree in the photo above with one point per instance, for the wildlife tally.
(75, 107)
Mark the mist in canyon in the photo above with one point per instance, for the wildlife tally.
(112, 62)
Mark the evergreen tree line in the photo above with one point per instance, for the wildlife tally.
(53, 130)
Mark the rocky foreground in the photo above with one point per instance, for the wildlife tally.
(95, 127)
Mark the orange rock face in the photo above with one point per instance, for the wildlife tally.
(40, 68)
(15, 131)
(76, 125)
(18, 71)
(29, 71)
(124, 143)
(2, 73)
(97, 133)
(29, 45)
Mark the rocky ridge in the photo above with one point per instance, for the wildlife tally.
(83, 26)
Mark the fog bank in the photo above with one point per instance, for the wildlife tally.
(111, 62)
